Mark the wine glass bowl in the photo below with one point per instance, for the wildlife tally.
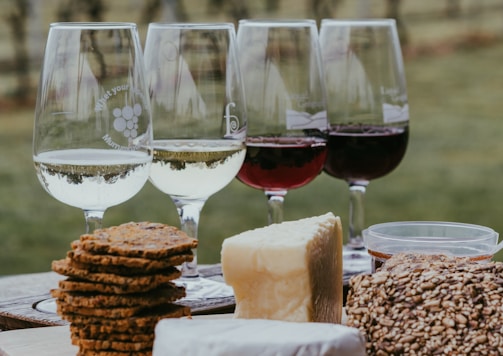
(199, 120)
(368, 112)
(359, 153)
(281, 67)
(92, 130)
(295, 164)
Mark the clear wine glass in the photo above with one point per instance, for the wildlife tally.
(281, 66)
(199, 120)
(368, 113)
(93, 131)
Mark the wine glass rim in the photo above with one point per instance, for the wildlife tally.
(278, 22)
(93, 25)
(192, 25)
(359, 22)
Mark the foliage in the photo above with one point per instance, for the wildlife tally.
(452, 171)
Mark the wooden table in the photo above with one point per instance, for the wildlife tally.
(19, 295)
(27, 331)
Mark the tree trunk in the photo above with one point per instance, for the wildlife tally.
(393, 11)
(17, 21)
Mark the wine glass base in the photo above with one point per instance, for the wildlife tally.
(355, 261)
(47, 306)
(198, 288)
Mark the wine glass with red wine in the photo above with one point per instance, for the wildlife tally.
(368, 113)
(281, 67)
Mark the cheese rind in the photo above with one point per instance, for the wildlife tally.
(218, 337)
(290, 271)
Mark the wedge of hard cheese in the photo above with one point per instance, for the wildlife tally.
(290, 271)
(220, 337)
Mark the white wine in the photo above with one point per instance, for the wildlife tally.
(92, 179)
(195, 169)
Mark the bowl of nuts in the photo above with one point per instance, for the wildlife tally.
(476, 242)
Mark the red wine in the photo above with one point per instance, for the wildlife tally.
(282, 163)
(364, 152)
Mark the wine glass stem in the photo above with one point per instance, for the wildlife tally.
(356, 214)
(189, 212)
(275, 201)
(94, 219)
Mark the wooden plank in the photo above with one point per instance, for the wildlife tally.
(20, 294)
(46, 341)
(49, 341)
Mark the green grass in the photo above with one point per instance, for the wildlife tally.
(452, 171)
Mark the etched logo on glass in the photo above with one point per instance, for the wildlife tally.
(231, 121)
(125, 120)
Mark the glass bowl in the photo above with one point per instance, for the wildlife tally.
(479, 243)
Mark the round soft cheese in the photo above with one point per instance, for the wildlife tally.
(251, 337)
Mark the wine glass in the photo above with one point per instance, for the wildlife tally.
(368, 113)
(92, 132)
(199, 120)
(281, 67)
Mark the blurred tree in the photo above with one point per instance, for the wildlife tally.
(234, 9)
(323, 8)
(393, 11)
(272, 5)
(78, 10)
(453, 8)
(169, 10)
(17, 21)
(239, 10)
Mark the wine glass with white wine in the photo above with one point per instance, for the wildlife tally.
(92, 133)
(199, 121)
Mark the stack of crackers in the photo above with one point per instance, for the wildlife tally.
(120, 284)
